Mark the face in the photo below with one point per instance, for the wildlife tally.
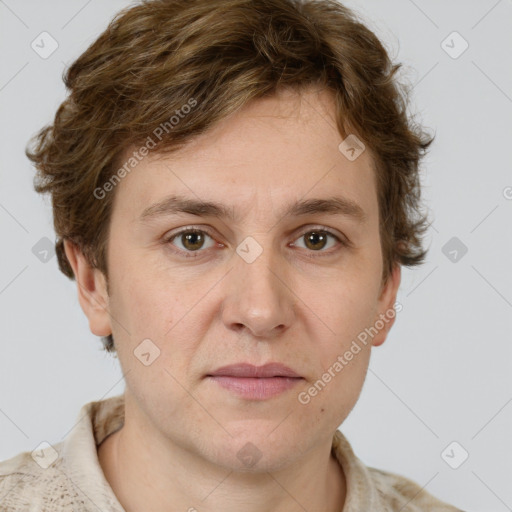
(290, 274)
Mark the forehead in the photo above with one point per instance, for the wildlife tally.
(279, 149)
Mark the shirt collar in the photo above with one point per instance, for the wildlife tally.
(79, 452)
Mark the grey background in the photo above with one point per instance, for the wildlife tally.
(443, 375)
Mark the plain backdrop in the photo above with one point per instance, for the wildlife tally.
(444, 373)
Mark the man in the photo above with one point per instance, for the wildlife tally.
(232, 184)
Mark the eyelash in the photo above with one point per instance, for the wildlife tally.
(194, 254)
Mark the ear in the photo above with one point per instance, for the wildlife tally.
(92, 290)
(386, 312)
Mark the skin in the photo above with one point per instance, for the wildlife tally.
(294, 304)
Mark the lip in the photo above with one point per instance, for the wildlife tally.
(255, 382)
(249, 370)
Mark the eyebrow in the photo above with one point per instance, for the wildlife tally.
(175, 204)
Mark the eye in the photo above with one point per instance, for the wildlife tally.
(191, 240)
(318, 239)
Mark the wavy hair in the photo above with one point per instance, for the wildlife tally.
(158, 54)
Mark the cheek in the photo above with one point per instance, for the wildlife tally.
(329, 399)
(344, 312)
(151, 316)
(342, 354)
(145, 302)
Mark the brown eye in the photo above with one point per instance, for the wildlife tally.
(315, 240)
(191, 240)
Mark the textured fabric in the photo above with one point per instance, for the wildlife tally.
(74, 481)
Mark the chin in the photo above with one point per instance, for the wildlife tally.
(253, 450)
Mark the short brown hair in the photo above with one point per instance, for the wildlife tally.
(156, 56)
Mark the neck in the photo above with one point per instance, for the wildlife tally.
(150, 476)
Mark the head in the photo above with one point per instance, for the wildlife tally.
(243, 104)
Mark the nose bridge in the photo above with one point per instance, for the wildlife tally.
(255, 259)
(257, 298)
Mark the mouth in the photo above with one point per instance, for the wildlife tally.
(255, 382)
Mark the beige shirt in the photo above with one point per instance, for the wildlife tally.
(68, 477)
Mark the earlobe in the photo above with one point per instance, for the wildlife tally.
(386, 311)
(92, 290)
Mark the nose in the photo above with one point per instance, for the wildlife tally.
(258, 299)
